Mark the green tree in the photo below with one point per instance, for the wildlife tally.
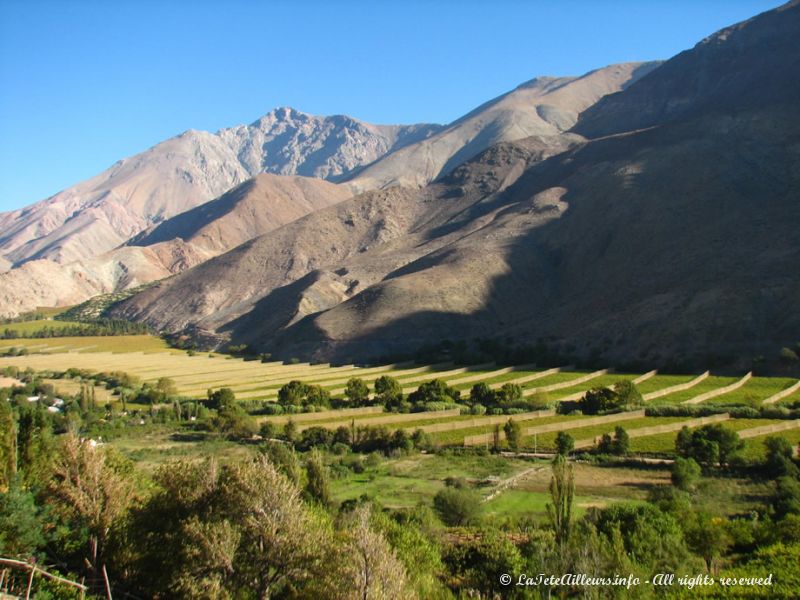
(685, 474)
(21, 524)
(708, 538)
(318, 487)
(293, 393)
(356, 391)
(628, 394)
(221, 398)
(599, 400)
(778, 460)
(621, 443)
(8, 444)
(510, 393)
(167, 387)
(564, 443)
(482, 394)
(562, 496)
(388, 390)
(513, 431)
(316, 395)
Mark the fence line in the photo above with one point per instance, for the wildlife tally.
(323, 414)
(784, 394)
(387, 420)
(657, 429)
(767, 429)
(477, 440)
(645, 377)
(482, 421)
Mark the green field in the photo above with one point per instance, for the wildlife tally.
(664, 443)
(28, 327)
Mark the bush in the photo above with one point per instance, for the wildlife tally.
(685, 474)
(457, 507)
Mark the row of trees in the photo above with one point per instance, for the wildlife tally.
(103, 327)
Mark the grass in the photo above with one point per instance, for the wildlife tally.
(707, 385)
(664, 443)
(109, 343)
(407, 481)
(457, 437)
(29, 327)
(660, 382)
(546, 441)
(756, 390)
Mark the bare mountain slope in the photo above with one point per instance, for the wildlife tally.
(331, 254)
(545, 107)
(101, 213)
(251, 209)
(673, 237)
(255, 207)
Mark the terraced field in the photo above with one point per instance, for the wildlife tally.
(150, 359)
(665, 443)
(707, 385)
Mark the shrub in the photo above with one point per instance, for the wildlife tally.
(685, 474)
(457, 507)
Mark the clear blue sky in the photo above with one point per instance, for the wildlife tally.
(85, 83)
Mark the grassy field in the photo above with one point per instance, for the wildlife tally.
(111, 343)
(664, 443)
(28, 327)
(707, 385)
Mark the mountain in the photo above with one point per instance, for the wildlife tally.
(253, 208)
(545, 107)
(664, 229)
(183, 172)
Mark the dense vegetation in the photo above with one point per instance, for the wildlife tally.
(267, 525)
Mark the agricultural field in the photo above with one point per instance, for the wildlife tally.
(150, 359)
(29, 327)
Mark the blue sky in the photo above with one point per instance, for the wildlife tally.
(85, 83)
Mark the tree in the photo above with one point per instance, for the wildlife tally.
(356, 391)
(708, 445)
(510, 393)
(167, 387)
(564, 443)
(707, 538)
(457, 507)
(786, 500)
(628, 394)
(482, 394)
(779, 457)
(435, 390)
(233, 531)
(318, 487)
(316, 395)
(599, 400)
(621, 444)
(388, 390)
(562, 496)
(21, 527)
(513, 431)
(292, 393)
(290, 431)
(221, 398)
(86, 487)
(371, 567)
(8, 444)
(685, 473)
